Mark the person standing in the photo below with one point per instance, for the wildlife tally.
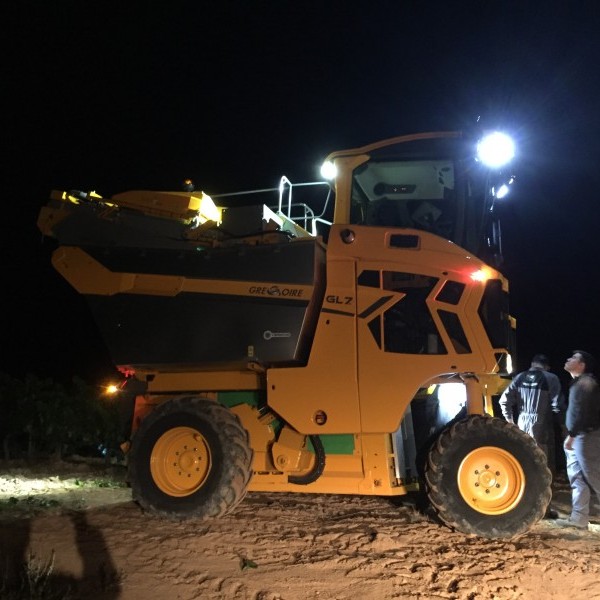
(536, 397)
(582, 444)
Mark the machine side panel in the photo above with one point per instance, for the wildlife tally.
(166, 309)
(195, 329)
(401, 311)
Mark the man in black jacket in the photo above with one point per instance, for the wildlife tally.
(536, 396)
(582, 445)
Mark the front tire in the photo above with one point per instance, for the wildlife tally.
(486, 477)
(190, 458)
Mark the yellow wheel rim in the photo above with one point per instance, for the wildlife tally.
(180, 461)
(491, 480)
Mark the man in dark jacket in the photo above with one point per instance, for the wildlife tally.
(536, 396)
(582, 445)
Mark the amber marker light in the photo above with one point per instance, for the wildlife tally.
(480, 275)
(111, 389)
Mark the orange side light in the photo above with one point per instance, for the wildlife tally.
(480, 275)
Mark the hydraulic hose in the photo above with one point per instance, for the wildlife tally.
(318, 467)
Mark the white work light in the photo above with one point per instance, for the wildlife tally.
(451, 397)
(496, 149)
(502, 191)
(328, 170)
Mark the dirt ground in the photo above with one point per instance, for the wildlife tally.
(275, 547)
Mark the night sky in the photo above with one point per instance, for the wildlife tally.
(111, 96)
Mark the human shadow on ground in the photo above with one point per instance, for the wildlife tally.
(23, 574)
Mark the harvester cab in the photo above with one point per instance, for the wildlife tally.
(350, 343)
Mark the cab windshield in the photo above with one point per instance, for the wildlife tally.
(419, 194)
(439, 188)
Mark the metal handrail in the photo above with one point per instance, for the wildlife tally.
(285, 185)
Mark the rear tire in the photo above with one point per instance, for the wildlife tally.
(486, 477)
(190, 458)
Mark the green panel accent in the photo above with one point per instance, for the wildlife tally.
(231, 399)
(342, 443)
(332, 443)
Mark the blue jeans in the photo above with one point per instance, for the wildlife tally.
(583, 469)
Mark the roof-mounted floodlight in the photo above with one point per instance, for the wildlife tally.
(328, 170)
(496, 149)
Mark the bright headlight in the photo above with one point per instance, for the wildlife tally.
(496, 149)
(328, 170)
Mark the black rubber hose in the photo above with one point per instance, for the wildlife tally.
(318, 467)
